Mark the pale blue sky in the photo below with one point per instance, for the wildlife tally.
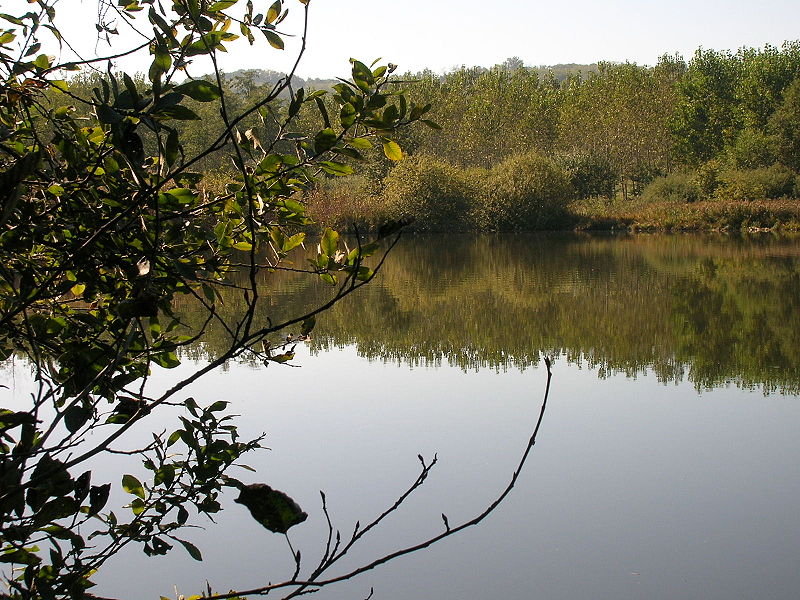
(441, 34)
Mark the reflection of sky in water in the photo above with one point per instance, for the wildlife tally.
(635, 489)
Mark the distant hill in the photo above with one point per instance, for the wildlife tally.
(563, 71)
(243, 80)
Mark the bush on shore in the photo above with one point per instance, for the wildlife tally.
(525, 192)
(673, 188)
(772, 182)
(435, 195)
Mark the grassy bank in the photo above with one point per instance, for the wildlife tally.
(530, 192)
(706, 215)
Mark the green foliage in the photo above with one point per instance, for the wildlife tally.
(675, 187)
(756, 184)
(752, 149)
(107, 222)
(707, 178)
(432, 194)
(704, 120)
(271, 508)
(785, 125)
(724, 94)
(523, 193)
(590, 175)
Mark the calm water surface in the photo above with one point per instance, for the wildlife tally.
(667, 462)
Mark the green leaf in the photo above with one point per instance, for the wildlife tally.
(282, 358)
(244, 246)
(200, 90)
(9, 419)
(274, 39)
(133, 486)
(106, 114)
(167, 360)
(42, 62)
(137, 506)
(98, 496)
(347, 115)
(365, 274)
(323, 111)
(293, 241)
(278, 238)
(324, 140)
(162, 61)
(362, 76)
(336, 168)
(274, 11)
(178, 112)
(172, 148)
(329, 242)
(184, 195)
(431, 124)
(20, 557)
(165, 474)
(360, 143)
(392, 150)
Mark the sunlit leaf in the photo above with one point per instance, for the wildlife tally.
(392, 150)
(132, 485)
(274, 39)
(329, 242)
(200, 90)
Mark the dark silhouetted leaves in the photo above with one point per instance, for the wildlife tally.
(273, 509)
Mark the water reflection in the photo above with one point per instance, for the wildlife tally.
(635, 489)
(710, 309)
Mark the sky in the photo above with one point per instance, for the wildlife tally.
(443, 34)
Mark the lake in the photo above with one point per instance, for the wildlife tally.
(665, 466)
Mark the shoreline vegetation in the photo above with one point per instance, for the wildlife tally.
(712, 143)
(709, 143)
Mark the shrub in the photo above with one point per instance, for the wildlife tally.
(527, 191)
(772, 182)
(674, 188)
(590, 175)
(707, 179)
(433, 193)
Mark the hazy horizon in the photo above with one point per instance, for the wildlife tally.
(447, 34)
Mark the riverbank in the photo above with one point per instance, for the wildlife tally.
(532, 192)
(601, 214)
(342, 206)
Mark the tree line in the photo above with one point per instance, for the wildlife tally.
(721, 126)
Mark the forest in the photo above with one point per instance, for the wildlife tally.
(712, 142)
